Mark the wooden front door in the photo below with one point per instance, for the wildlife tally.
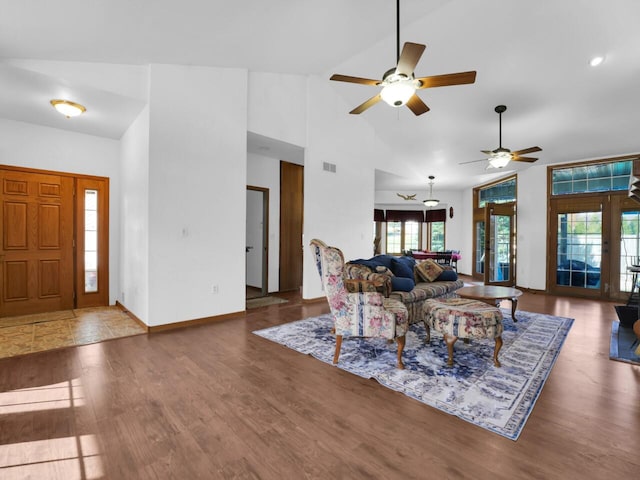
(36, 256)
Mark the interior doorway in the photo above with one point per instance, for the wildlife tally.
(257, 246)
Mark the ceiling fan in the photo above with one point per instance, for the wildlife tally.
(399, 84)
(500, 157)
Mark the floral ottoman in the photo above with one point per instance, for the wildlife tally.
(463, 318)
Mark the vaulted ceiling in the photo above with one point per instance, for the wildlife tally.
(531, 56)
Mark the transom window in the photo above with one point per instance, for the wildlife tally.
(502, 192)
(601, 177)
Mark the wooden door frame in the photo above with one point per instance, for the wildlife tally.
(503, 209)
(102, 297)
(577, 204)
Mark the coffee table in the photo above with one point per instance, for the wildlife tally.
(492, 294)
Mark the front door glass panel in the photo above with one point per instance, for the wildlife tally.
(500, 252)
(579, 249)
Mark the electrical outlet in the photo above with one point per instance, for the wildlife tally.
(214, 289)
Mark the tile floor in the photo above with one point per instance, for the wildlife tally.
(46, 331)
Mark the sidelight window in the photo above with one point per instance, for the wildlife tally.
(90, 241)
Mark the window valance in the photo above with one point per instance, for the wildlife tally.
(378, 215)
(405, 216)
(436, 215)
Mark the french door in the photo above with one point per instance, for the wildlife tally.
(500, 244)
(594, 240)
(494, 244)
(579, 253)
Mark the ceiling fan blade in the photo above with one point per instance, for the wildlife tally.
(487, 152)
(369, 103)
(447, 79)
(527, 150)
(516, 158)
(473, 161)
(347, 78)
(411, 53)
(416, 105)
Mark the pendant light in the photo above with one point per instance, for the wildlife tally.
(431, 202)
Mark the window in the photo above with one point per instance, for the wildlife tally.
(502, 192)
(599, 177)
(435, 229)
(402, 236)
(403, 230)
(90, 240)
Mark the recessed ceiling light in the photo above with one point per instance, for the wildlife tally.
(595, 61)
(68, 108)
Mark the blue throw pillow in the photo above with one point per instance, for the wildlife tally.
(409, 261)
(384, 260)
(401, 269)
(447, 276)
(402, 284)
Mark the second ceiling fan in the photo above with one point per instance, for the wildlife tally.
(399, 84)
(501, 156)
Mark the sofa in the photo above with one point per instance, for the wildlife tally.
(405, 279)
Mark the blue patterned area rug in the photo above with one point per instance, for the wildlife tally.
(498, 399)
(624, 344)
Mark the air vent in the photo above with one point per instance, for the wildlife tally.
(329, 167)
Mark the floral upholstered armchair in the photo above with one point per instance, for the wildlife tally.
(358, 314)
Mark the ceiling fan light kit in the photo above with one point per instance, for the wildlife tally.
(500, 159)
(398, 92)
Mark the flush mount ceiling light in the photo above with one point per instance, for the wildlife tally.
(68, 108)
(431, 202)
(595, 61)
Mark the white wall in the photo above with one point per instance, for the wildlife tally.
(277, 106)
(532, 228)
(33, 146)
(134, 204)
(338, 207)
(265, 172)
(197, 185)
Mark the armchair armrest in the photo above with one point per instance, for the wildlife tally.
(380, 281)
(358, 285)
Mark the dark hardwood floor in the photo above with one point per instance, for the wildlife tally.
(216, 401)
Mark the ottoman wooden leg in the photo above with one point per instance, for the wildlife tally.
(497, 348)
(451, 340)
(428, 330)
(401, 342)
